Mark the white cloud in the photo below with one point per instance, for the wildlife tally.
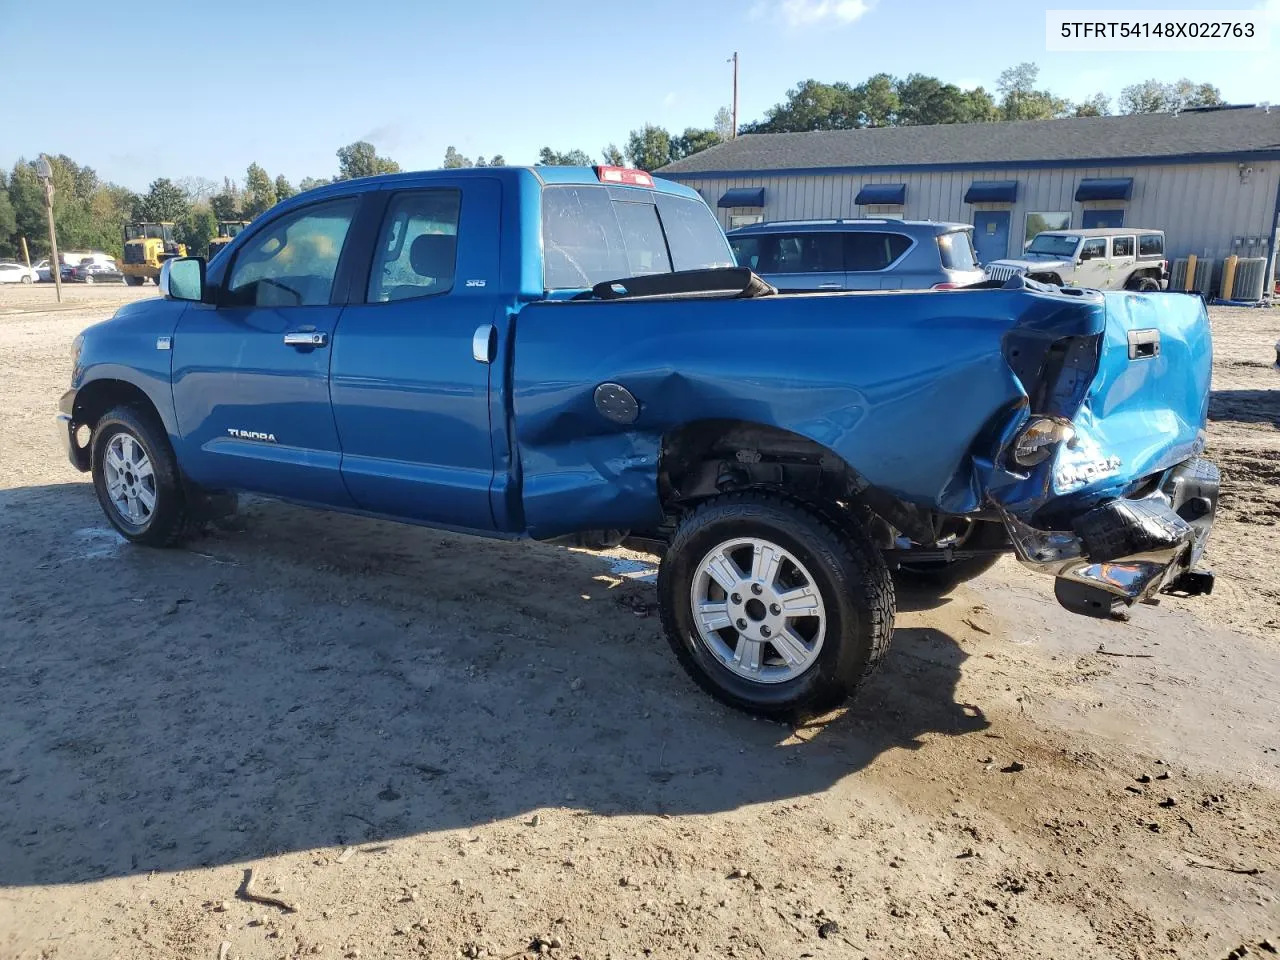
(806, 13)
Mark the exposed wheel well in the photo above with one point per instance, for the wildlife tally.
(705, 458)
(98, 396)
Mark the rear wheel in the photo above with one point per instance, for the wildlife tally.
(941, 575)
(135, 475)
(88, 278)
(26, 279)
(770, 609)
(1146, 285)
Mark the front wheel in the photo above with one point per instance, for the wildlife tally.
(135, 475)
(88, 278)
(134, 281)
(770, 608)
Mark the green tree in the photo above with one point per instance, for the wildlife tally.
(692, 141)
(259, 192)
(196, 229)
(498, 160)
(1099, 105)
(612, 156)
(9, 245)
(1152, 96)
(198, 189)
(360, 159)
(1020, 100)
(924, 100)
(723, 123)
(573, 158)
(649, 147)
(164, 201)
(453, 160)
(226, 203)
(310, 183)
(879, 102)
(811, 105)
(284, 189)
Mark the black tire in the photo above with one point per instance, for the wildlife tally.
(939, 575)
(1146, 285)
(134, 281)
(169, 521)
(846, 568)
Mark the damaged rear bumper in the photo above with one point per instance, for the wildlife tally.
(1126, 550)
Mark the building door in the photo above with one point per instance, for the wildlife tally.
(991, 234)
(1108, 219)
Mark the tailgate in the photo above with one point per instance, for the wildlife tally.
(1146, 407)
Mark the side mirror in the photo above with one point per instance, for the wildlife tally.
(182, 278)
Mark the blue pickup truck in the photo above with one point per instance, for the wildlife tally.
(571, 352)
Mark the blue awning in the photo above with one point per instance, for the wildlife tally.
(742, 197)
(992, 191)
(1118, 189)
(881, 193)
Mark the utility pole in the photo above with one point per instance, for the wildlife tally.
(26, 254)
(733, 134)
(45, 172)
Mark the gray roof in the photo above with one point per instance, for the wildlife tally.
(1152, 135)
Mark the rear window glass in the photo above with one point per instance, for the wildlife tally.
(868, 250)
(1150, 245)
(790, 253)
(956, 250)
(1122, 247)
(589, 237)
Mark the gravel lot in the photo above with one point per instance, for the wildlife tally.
(435, 746)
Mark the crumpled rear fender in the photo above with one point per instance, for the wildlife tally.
(912, 390)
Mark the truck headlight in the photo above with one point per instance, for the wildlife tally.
(77, 345)
(1039, 439)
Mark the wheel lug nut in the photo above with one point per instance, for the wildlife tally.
(765, 631)
(742, 624)
(736, 598)
(775, 609)
(757, 589)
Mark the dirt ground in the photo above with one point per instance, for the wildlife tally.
(433, 746)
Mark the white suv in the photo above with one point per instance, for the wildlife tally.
(1101, 259)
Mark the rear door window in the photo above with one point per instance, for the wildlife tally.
(791, 253)
(869, 250)
(1122, 247)
(418, 246)
(956, 251)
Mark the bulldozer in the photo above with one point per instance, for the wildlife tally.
(228, 230)
(146, 246)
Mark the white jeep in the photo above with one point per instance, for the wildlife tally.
(1100, 259)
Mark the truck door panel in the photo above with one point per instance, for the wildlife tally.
(410, 400)
(251, 373)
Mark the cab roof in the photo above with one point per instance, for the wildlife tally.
(542, 175)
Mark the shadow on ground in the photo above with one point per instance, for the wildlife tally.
(313, 679)
(1245, 406)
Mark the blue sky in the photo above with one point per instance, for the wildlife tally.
(236, 82)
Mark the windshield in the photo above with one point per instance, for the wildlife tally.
(591, 234)
(148, 231)
(1054, 245)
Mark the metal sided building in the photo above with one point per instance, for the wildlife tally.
(1209, 177)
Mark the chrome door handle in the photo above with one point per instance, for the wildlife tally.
(484, 343)
(305, 338)
(831, 286)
